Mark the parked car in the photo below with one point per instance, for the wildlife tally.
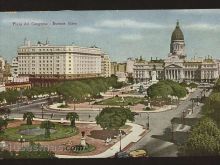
(122, 155)
(138, 153)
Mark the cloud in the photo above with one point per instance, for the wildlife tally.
(131, 37)
(87, 29)
(202, 26)
(128, 23)
(196, 11)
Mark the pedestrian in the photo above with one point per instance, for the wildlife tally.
(51, 115)
(89, 116)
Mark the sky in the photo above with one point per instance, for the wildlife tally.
(119, 33)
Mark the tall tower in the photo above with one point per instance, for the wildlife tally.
(177, 45)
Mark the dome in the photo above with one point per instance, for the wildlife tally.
(177, 33)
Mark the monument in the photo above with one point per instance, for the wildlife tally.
(83, 139)
(153, 77)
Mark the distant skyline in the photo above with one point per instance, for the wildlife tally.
(120, 33)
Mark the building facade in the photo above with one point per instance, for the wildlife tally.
(14, 67)
(106, 66)
(58, 61)
(143, 69)
(118, 67)
(176, 66)
(2, 64)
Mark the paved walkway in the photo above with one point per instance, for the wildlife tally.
(134, 136)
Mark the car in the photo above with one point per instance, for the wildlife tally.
(138, 153)
(122, 155)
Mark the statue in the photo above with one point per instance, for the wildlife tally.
(83, 139)
(154, 76)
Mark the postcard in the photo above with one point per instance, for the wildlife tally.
(109, 84)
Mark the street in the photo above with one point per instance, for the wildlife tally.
(158, 142)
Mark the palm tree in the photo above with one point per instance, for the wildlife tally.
(29, 116)
(72, 116)
(47, 125)
(3, 124)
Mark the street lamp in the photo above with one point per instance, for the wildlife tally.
(120, 140)
(183, 117)
(148, 121)
(89, 98)
(172, 130)
(192, 105)
(42, 111)
(74, 104)
(21, 140)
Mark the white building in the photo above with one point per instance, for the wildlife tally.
(2, 64)
(47, 60)
(106, 66)
(176, 66)
(14, 67)
(130, 65)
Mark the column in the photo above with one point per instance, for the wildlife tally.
(169, 74)
(176, 74)
(190, 74)
(173, 74)
(166, 74)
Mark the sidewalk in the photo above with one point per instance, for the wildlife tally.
(134, 136)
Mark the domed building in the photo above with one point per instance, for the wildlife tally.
(177, 45)
(176, 66)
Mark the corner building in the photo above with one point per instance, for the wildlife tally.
(44, 63)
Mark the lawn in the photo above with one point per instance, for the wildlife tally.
(118, 101)
(88, 148)
(62, 131)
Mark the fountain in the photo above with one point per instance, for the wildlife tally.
(34, 131)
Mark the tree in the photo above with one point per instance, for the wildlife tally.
(3, 124)
(166, 87)
(114, 117)
(47, 125)
(5, 110)
(5, 154)
(29, 117)
(159, 90)
(178, 90)
(193, 85)
(34, 151)
(11, 96)
(72, 116)
(204, 139)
